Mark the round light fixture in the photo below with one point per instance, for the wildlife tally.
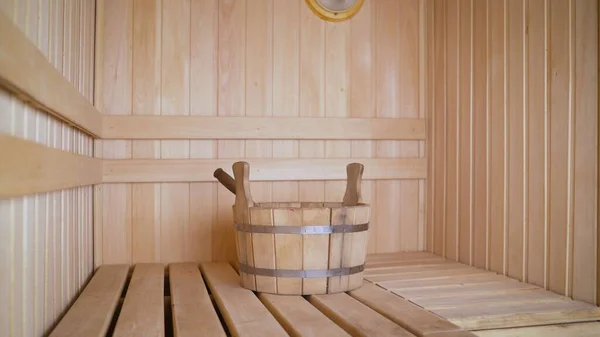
(335, 10)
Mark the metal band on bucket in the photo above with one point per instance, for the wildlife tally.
(301, 273)
(326, 229)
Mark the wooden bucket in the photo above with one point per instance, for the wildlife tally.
(300, 248)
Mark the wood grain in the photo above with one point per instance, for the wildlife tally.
(201, 170)
(42, 85)
(202, 127)
(524, 86)
(30, 168)
(46, 236)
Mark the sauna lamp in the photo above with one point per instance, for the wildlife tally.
(335, 10)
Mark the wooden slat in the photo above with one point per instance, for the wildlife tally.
(203, 127)
(243, 312)
(143, 308)
(442, 282)
(520, 315)
(463, 289)
(587, 329)
(193, 311)
(25, 71)
(356, 318)
(201, 170)
(467, 299)
(413, 318)
(27, 167)
(92, 312)
(298, 317)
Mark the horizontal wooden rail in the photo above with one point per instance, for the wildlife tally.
(201, 170)
(27, 168)
(26, 72)
(201, 127)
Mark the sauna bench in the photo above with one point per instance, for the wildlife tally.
(404, 294)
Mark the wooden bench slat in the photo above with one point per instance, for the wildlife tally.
(243, 312)
(410, 316)
(143, 308)
(92, 312)
(193, 311)
(355, 317)
(299, 317)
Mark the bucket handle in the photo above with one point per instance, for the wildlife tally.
(353, 196)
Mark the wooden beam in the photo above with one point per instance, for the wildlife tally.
(26, 72)
(201, 170)
(198, 127)
(27, 168)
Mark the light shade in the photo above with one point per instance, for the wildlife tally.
(335, 10)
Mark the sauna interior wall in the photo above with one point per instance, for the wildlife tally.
(253, 58)
(513, 130)
(46, 239)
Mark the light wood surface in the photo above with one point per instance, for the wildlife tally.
(93, 310)
(46, 239)
(299, 317)
(513, 129)
(474, 302)
(142, 313)
(192, 307)
(589, 329)
(201, 170)
(413, 318)
(270, 61)
(28, 73)
(243, 312)
(203, 127)
(354, 317)
(28, 168)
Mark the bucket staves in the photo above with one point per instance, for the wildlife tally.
(300, 248)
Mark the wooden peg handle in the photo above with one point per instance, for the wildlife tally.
(225, 179)
(243, 197)
(354, 172)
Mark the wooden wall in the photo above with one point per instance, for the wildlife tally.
(513, 136)
(253, 58)
(46, 239)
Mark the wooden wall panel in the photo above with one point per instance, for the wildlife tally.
(270, 58)
(512, 103)
(46, 252)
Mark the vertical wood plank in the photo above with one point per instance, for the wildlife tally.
(361, 101)
(286, 84)
(146, 100)
(497, 137)
(585, 213)
(388, 104)
(514, 244)
(559, 112)
(465, 173)
(537, 155)
(231, 102)
(480, 122)
(203, 101)
(439, 112)
(175, 100)
(312, 93)
(452, 73)
(117, 100)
